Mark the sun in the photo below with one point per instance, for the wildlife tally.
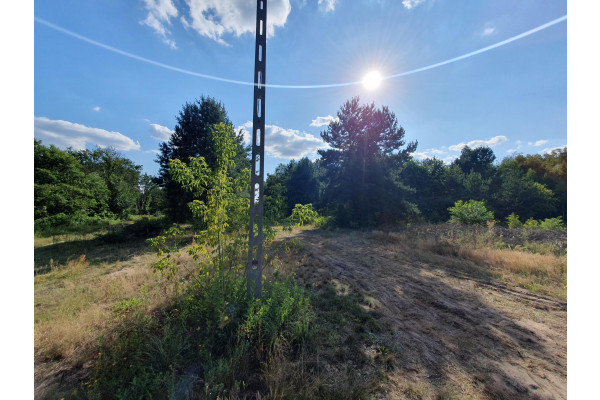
(372, 80)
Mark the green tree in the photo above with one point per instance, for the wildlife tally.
(62, 187)
(193, 137)
(479, 160)
(226, 206)
(434, 187)
(120, 175)
(366, 146)
(519, 192)
(150, 199)
(550, 170)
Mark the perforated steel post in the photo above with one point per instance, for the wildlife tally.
(255, 250)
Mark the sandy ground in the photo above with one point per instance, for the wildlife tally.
(458, 335)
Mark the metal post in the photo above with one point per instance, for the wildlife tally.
(255, 250)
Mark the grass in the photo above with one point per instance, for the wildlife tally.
(479, 256)
(111, 323)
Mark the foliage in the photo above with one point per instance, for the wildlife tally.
(216, 330)
(119, 174)
(548, 224)
(366, 146)
(225, 208)
(303, 213)
(62, 187)
(193, 137)
(479, 160)
(83, 191)
(209, 341)
(531, 223)
(151, 199)
(297, 182)
(513, 221)
(550, 170)
(434, 187)
(471, 212)
(519, 192)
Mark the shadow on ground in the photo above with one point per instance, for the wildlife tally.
(457, 333)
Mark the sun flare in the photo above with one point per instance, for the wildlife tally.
(372, 80)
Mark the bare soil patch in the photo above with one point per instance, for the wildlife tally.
(457, 331)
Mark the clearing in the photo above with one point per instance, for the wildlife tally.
(462, 321)
(457, 333)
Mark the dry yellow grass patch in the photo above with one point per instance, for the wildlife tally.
(75, 303)
(519, 262)
(542, 273)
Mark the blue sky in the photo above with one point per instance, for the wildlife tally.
(512, 98)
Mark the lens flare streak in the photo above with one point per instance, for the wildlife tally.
(283, 86)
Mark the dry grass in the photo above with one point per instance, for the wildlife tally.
(541, 273)
(78, 302)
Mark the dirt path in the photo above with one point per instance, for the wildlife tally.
(457, 335)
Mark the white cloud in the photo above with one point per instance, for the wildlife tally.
(320, 121)
(327, 5)
(488, 31)
(285, 143)
(65, 134)
(411, 3)
(97, 108)
(160, 13)
(160, 132)
(538, 143)
(549, 150)
(495, 141)
(215, 18)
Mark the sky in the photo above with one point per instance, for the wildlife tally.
(116, 74)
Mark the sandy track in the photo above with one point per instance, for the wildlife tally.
(458, 336)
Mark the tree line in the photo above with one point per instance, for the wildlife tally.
(75, 189)
(367, 177)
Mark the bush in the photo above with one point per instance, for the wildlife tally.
(513, 222)
(470, 213)
(303, 213)
(209, 341)
(80, 223)
(531, 223)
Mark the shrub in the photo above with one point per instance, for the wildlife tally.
(531, 223)
(214, 337)
(303, 213)
(513, 222)
(471, 212)
(550, 224)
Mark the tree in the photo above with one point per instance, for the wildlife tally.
(479, 160)
(520, 193)
(62, 187)
(120, 176)
(150, 196)
(193, 137)
(550, 170)
(365, 147)
(225, 209)
(434, 187)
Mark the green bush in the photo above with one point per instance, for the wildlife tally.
(303, 213)
(531, 223)
(471, 212)
(513, 222)
(215, 330)
(550, 224)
